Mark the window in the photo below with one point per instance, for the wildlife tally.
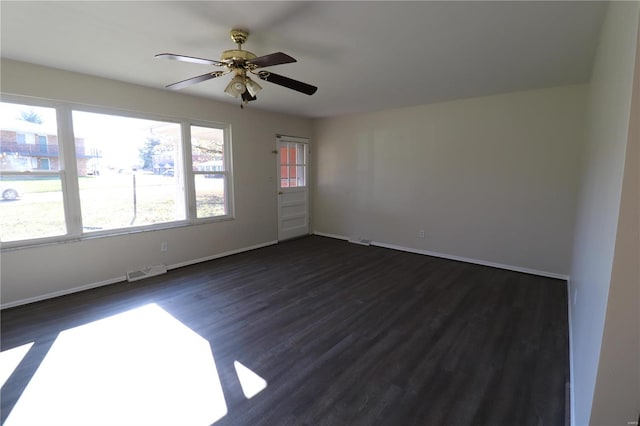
(43, 164)
(42, 143)
(31, 202)
(127, 171)
(209, 171)
(109, 174)
(26, 138)
(292, 165)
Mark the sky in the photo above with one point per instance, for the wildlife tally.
(119, 138)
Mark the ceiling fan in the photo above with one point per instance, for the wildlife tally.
(241, 63)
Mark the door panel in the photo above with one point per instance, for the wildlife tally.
(293, 189)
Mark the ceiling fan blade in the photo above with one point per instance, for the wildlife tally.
(190, 59)
(193, 80)
(246, 96)
(287, 82)
(272, 59)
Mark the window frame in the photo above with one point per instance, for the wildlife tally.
(68, 171)
(62, 173)
(304, 165)
(228, 186)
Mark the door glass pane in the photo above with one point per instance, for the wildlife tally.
(293, 160)
(300, 158)
(293, 182)
(284, 177)
(300, 175)
(128, 171)
(292, 153)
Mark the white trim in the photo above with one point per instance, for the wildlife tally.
(572, 401)
(296, 139)
(324, 234)
(458, 258)
(62, 292)
(124, 278)
(219, 255)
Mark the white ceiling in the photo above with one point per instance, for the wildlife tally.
(363, 56)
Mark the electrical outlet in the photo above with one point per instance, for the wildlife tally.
(164, 246)
(421, 233)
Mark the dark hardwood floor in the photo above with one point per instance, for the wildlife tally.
(346, 335)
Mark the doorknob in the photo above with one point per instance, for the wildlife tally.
(280, 192)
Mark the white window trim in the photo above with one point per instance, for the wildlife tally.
(228, 181)
(68, 172)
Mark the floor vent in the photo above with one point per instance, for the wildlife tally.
(151, 271)
(361, 241)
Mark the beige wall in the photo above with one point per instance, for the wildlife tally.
(491, 179)
(35, 272)
(616, 400)
(602, 272)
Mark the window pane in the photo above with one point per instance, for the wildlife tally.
(292, 176)
(300, 151)
(292, 153)
(31, 207)
(210, 195)
(207, 155)
(292, 165)
(21, 127)
(284, 177)
(300, 175)
(128, 171)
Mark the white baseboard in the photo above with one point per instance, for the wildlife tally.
(337, 237)
(62, 292)
(124, 278)
(457, 258)
(219, 255)
(572, 401)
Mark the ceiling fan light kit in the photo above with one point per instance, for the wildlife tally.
(241, 62)
(236, 86)
(252, 87)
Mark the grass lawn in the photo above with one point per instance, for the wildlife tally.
(107, 202)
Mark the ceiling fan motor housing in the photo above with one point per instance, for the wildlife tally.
(240, 56)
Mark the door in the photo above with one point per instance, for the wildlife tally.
(293, 187)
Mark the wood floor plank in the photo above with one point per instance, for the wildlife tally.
(346, 335)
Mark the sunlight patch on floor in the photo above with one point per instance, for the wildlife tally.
(10, 359)
(141, 367)
(251, 383)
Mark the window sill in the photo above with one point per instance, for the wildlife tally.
(51, 241)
